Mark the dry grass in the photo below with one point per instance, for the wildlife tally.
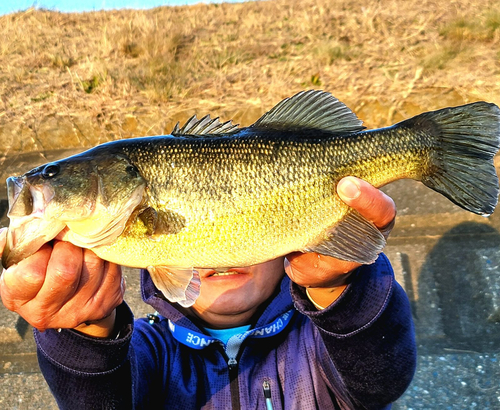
(80, 79)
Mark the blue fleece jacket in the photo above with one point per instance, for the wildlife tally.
(359, 353)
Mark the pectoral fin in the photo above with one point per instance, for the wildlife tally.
(149, 218)
(354, 239)
(176, 284)
(162, 222)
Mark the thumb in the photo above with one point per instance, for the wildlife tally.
(369, 201)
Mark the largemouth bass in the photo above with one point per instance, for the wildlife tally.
(214, 195)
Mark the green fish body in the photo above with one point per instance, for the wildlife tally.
(215, 195)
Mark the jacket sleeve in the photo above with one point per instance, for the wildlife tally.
(369, 335)
(88, 373)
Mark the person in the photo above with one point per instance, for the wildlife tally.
(328, 334)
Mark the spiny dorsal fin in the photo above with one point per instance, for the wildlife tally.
(205, 126)
(312, 110)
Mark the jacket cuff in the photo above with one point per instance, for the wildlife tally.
(84, 354)
(361, 303)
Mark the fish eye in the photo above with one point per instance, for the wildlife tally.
(132, 170)
(50, 171)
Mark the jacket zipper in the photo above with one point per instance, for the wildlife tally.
(267, 394)
(232, 364)
(234, 388)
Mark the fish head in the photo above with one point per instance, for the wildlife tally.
(91, 195)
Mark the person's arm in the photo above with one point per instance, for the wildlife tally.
(369, 335)
(85, 372)
(61, 288)
(361, 312)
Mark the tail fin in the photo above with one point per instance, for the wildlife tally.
(467, 139)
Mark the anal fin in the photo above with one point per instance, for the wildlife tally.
(354, 239)
(177, 284)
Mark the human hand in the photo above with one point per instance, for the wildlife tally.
(63, 286)
(326, 277)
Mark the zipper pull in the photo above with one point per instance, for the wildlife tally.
(267, 394)
(232, 363)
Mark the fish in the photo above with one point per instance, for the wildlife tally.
(213, 194)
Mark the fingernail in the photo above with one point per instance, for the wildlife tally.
(288, 267)
(348, 188)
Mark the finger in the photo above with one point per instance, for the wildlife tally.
(93, 273)
(113, 284)
(102, 291)
(328, 271)
(3, 239)
(62, 278)
(22, 282)
(92, 298)
(369, 201)
(61, 236)
(110, 293)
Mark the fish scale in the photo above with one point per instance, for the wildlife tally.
(232, 197)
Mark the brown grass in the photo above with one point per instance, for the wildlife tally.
(80, 79)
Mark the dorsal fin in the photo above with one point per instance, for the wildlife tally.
(205, 126)
(312, 110)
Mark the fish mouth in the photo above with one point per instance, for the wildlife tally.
(20, 199)
(28, 229)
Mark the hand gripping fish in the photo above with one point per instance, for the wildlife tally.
(215, 195)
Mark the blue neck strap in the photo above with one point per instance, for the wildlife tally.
(198, 340)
